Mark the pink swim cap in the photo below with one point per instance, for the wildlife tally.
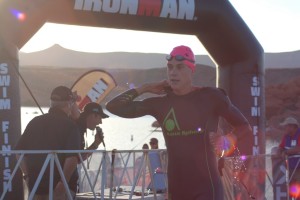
(185, 54)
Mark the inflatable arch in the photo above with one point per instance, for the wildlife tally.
(228, 40)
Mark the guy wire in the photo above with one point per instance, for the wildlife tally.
(29, 90)
(145, 137)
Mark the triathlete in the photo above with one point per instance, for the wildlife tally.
(187, 115)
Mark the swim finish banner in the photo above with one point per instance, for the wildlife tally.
(93, 86)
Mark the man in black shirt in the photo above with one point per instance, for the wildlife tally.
(91, 117)
(52, 131)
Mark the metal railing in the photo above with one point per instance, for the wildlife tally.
(102, 175)
(110, 174)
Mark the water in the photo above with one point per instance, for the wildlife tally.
(118, 131)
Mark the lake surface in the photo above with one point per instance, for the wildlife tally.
(120, 133)
(128, 134)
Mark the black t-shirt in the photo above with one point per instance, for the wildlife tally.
(185, 120)
(51, 131)
(81, 125)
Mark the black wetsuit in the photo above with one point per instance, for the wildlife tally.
(52, 131)
(185, 119)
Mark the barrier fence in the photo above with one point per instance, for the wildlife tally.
(142, 174)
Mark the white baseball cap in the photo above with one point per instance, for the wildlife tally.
(289, 120)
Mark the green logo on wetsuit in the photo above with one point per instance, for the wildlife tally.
(170, 122)
(172, 127)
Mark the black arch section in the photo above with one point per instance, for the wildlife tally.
(218, 26)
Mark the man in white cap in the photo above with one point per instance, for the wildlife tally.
(290, 145)
(188, 115)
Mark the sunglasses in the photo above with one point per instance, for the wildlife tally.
(178, 58)
(153, 143)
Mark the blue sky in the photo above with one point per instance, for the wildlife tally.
(275, 23)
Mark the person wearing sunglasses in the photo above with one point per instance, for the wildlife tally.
(188, 115)
(153, 143)
(290, 147)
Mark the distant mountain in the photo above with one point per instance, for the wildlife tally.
(46, 69)
(282, 87)
(58, 56)
(283, 60)
(41, 80)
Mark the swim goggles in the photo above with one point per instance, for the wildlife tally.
(178, 58)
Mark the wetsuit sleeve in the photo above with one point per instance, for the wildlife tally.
(228, 111)
(235, 118)
(124, 105)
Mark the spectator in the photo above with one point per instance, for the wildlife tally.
(290, 146)
(138, 166)
(153, 143)
(51, 131)
(140, 159)
(90, 118)
(145, 146)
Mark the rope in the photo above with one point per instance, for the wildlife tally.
(28, 89)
